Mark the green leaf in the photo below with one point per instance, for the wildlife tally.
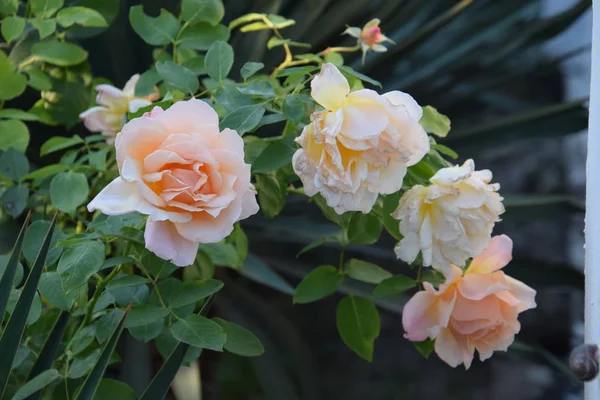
(293, 108)
(146, 85)
(79, 263)
(12, 84)
(45, 27)
(14, 113)
(110, 389)
(12, 27)
(50, 349)
(154, 31)
(277, 154)
(192, 292)
(45, 8)
(9, 6)
(435, 122)
(349, 71)
(161, 383)
(240, 340)
(51, 287)
(271, 194)
(13, 164)
(250, 68)
(57, 143)
(394, 285)
(219, 60)
(13, 133)
(199, 331)
(127, 281)
(201, 36)
(358, 324)
(158, 267)
(178, 77)
(258, 88)
(392, 225)
(16, 324)
(83, 363)
(445, 150)
(106, 324)
(223, 254)
(63, 54)
(38, 80)
(145, 333)
(89, 387)
(83, 338)
(145, 314)
(68, 190)
(211, 11)
(342, 220)
(364, 228)
(15, 200)
(258, 271)
(196, 65)
(243, 119)
(4, 259)
(45, 172)
(425, 347)
(365, 271)
(36, 384)
(34, 239)
(81, 16)
(9, 272)
(319, 283)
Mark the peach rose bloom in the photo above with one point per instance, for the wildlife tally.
(477, 310)
(451, 220)
(111, 114)
(360, 145)
(189, 178)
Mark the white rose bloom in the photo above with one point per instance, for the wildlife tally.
(451, 220)
(360, 145)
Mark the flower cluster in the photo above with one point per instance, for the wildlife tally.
(192, 182)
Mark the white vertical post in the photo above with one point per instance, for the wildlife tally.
(592, 203)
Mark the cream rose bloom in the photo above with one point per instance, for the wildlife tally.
(110, 116)
(451, 220)
(360, 145)
(189, 178)
(474, 311)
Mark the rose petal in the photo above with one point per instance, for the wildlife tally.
(497, 255)
(114, 199)
(192, 117)
(448, 349)
(162, 239)
(330, 87)
(364, 115)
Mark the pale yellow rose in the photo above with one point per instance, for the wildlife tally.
(189, 178)
(360, 145)
(451, 220)
(477, 310)
(114, 104)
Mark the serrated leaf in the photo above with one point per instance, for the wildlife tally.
(145, 314)
(211, 11)
(358, 324)
(364, 228)
(192, 292)
(243, 119)
(201, 36)
(34, 237)
(319, 283)
(250, 68)
(79, 263)
(106, 324)
(219, 60)
(178, 77)
(53, 290)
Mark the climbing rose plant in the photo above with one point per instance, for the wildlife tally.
(176, 162)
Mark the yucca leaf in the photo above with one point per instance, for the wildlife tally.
(157, 389)
(546, 122)
(51, 346)
(11, 269)
(91, 383)
(16, 324)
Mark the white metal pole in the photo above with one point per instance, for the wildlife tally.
(592, 203)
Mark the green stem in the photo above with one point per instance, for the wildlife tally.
(341, 266)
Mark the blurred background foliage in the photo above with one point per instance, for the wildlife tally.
(482, 63)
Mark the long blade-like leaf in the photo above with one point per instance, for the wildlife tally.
(89, 387)
(11, 269)
(157, 389)
(44, 360)
(16, 324)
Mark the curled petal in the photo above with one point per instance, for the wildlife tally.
(115, 198)
(162, 239)
(497, 255)
(405, 101)
(330, 87)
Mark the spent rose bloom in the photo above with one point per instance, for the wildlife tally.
(451, 220)
(477, 310)
(189, 178)
(110, 116)
(369, 37)
(360, 145)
